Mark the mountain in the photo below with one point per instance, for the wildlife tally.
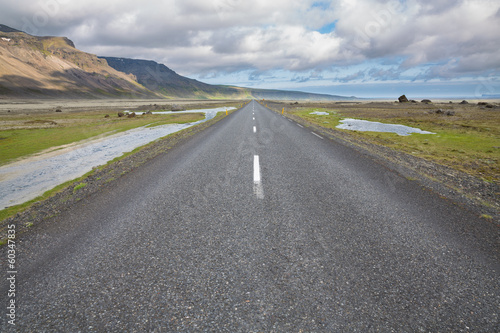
(161, 79)
(52, 67)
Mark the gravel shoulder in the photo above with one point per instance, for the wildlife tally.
(478, 195)
(97, 180)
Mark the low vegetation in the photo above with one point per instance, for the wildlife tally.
(23, 135)
(467, 139)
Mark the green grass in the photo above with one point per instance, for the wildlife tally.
(48, 131)
(11, 211)
(79, 186)
(469, 142)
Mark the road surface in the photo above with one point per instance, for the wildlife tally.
(258, 224)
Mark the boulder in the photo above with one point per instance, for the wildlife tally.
(403, 99)
(131, 115)
(176, 108)
(121, 114)
(450, 113)
(464, 102)
(426, 101)
(106, 116)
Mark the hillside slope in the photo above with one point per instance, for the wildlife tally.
(52, 67)
(161, 79)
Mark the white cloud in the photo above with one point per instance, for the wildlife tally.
(444, 38)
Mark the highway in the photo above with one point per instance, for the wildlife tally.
(258, 224)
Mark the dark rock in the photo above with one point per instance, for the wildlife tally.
(439, 111)
(426, 101)
(490, 106)
(131, 115)
(464, 102)
(121, 114)
(450, 113)
(403, 99)
(482, 103)
(413, 101)
(58, 110)
(106, 116)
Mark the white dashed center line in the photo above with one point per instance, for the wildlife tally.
(255, 129)
(300, 125)
(319, 136)
(257, 184)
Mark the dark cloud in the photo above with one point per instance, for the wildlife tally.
(352, 77)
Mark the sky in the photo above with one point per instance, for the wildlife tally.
(363, 48)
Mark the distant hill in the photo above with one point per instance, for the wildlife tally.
(52, 67)
(161, 79)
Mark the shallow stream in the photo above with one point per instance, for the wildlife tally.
(29, 178)
(372, 126)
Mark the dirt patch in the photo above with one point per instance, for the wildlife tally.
(44, 122)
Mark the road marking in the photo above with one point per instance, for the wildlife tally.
(257, 184)
(319, 136)
(253, 118)
(255, 129)
(300, 125)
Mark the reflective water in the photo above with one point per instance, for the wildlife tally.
(25, 180)
(372, 126)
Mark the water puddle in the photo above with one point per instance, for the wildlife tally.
(26, 179)
(372, 126)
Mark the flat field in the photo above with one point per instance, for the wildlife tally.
(467, 135)
(34, 127)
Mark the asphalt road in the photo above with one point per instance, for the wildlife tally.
(259, 225)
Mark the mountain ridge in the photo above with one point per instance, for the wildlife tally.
(47, 67)
(161, 79)
(52, 67)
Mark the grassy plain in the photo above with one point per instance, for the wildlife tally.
(468, 140)
(22, 135)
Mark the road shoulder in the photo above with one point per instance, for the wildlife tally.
(97, 180)
(478, 195)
